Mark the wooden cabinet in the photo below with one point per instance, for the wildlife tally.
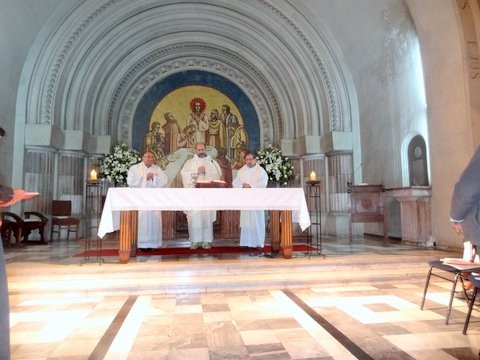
(367, 206)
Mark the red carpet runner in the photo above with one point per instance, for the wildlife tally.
(188, 251)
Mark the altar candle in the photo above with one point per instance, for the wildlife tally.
(313, 176)
(93, 175)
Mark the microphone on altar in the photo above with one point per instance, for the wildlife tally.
(215, 166)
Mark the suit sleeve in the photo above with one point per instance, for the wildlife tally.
(466, 192)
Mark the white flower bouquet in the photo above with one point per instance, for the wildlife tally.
(277, 166)
(115, 165)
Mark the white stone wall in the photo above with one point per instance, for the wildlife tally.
(375, 72)
(20, 23)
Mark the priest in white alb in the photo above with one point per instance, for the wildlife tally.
(252, 222)
(200, 222)
(148, 175)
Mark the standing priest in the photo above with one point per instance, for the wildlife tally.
(148, 175)
(252, 222)
(200, 222)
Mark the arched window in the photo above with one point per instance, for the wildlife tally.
(417, 162)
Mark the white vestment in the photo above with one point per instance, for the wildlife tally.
(252, 222)
(200, 223)
(149, 233)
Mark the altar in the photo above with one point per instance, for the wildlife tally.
(415, 213)
(122, 204)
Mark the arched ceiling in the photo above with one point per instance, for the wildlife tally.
(92, 64)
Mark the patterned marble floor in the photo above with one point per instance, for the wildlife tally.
(360, 301)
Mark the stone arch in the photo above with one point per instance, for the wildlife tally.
(415, 169)
(417, 162)
(96, 58)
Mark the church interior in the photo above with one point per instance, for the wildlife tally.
(362, 93)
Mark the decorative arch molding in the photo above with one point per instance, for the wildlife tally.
(97, 58)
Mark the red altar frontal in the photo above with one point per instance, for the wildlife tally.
(122, 204)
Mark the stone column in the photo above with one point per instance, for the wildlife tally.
(71, 179)
(39, 177)
(339, 175)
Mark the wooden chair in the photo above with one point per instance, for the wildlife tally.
(14, 225)
(62, 218)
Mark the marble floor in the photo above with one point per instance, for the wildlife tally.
(359, 301)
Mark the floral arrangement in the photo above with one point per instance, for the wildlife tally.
(115, 165)
(277, 166)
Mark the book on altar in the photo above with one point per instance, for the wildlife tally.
(210, 183)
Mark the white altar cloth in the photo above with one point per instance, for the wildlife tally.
(182, 199)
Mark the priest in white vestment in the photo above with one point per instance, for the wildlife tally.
(148, 175)
(252, 222)
(200, 222)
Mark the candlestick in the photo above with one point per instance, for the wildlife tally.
(93, 175)
(313, 176)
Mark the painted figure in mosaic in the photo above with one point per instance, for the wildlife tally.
(186, 139)
(252, 222)
(154, 141)
(239, 142)
(216, 130)
(200, 223)
(148, 175)
(239, 161)
(199, 118)
(231, 124)
(225, 166)
(171, 130)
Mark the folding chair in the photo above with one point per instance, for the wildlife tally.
(454, 273)
(476, 283)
